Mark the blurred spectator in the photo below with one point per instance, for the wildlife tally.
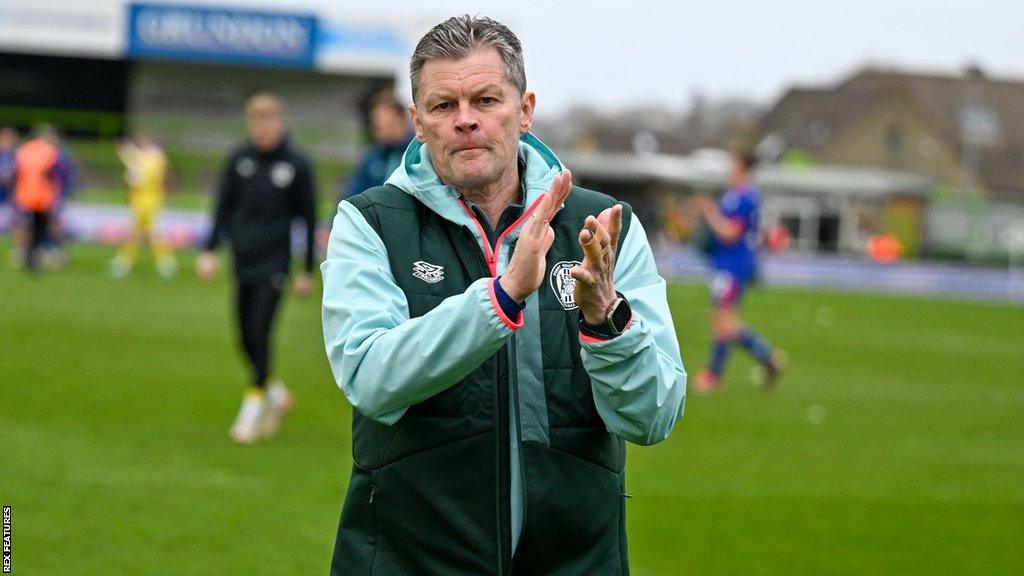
(8, 150)
(146, 175)
(389, 126)
(36, 189)
(266, 183)
(65, 173)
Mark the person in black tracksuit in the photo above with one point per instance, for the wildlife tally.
(265, 185)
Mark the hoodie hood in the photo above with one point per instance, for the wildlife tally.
(416, 176)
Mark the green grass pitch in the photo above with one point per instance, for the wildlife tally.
(894, 445)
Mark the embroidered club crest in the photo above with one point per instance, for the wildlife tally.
(282, 174)
(429, 273)
(563, 284)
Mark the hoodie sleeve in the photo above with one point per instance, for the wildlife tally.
(382, 360)
(638, 380)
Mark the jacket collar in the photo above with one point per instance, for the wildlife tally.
(416, 176)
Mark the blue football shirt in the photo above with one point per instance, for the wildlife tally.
(741, 205)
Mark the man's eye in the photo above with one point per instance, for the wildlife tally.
(488, 100)
(443, 106)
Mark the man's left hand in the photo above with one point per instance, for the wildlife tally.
(303, 284)
(595, 288)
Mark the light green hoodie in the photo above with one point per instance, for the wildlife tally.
(638, 380)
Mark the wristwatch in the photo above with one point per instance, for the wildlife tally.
(616, 319)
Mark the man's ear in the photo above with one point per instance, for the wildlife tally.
(416, 122)
(526, 108)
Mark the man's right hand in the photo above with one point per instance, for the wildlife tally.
(526, 269)
(206, 266)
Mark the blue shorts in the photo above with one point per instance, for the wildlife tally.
(726, 289)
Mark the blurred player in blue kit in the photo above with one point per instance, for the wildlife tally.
(732, 224)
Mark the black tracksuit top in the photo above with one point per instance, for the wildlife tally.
(259, 194)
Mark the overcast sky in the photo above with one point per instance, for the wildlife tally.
(619, 54)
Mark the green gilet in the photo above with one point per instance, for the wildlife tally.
(430, 494)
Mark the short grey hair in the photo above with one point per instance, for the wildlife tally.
(457, 36)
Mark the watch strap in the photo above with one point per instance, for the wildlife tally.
(605, 330)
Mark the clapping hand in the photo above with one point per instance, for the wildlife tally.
(526, 269)
(595, 288)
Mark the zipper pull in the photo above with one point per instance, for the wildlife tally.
(373, 492)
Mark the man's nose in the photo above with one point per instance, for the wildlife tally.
(466, 120)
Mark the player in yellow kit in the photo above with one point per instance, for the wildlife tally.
(145, 173)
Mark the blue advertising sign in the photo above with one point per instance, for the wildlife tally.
(341, 38)
(176, 32)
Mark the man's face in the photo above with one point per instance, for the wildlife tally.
(266, 128)
(387, 124)
(470, 117)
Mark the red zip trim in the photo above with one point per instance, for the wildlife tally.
(490, 255)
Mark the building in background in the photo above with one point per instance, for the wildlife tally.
(824, 208)
(965, 131)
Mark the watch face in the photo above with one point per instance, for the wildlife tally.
(621, 315)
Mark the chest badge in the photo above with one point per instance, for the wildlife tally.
(282, 174)
(563, 284)
(245, 167)
(429, 273)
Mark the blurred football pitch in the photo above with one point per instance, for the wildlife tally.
(894, 445)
